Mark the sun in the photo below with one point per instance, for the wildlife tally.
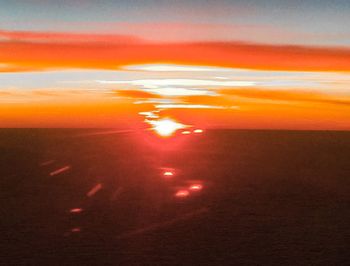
(166, 127)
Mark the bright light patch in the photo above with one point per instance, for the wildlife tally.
(180, 82)
(198, 131)
(180, 92)
(149, 114)
(196, 187)
(182, 193)
(168, 173)
(76, 210)
(175, 68)
(188, 106)
(165, 127)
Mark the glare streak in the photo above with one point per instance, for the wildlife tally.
(60, 170)
(94, 190)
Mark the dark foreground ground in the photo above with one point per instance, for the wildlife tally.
(263, 198)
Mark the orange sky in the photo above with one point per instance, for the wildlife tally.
(325, 105)
(39, 51)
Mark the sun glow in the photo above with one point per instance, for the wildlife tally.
(166, 127)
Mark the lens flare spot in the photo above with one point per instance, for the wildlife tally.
(168, 173)
(182, 193)
(76, 210)
(186, 132)
(196, 187)
(76, 230)
(198, 131)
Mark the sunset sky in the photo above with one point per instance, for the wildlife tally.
(212, 64)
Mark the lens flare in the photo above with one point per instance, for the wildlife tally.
(76, 210)
(182, 193)
(195, 187)
(168, 173)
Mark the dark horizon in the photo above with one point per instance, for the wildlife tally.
(218, 197)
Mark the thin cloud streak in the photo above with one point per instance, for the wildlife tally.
(66, 37)
(93, 53)
(288, 96)
(137, 94)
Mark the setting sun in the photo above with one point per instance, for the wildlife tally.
(166, 127)
(180, 132)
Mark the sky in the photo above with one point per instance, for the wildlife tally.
(213, 64)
